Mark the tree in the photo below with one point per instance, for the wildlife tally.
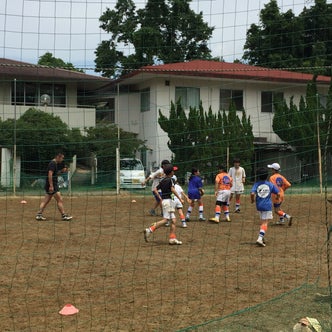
(297, 125)
(38, 136)
(283, 40)
(49, 60)
(202, 138)
(103, 141)
(164, 30)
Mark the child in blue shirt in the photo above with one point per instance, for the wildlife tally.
(195, 193)
(261, 193)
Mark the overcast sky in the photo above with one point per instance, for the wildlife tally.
(70, 29)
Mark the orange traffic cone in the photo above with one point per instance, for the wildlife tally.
(68, 309)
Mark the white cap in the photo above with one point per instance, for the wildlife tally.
(174, 178)
(275, 166)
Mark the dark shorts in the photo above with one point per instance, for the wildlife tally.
(276, 205)
(156, 197)
(194, 195)
(47, 187)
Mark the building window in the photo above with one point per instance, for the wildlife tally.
(228, 97)
(29, 93)
(188, 97)
(145, 100)
(105, 112)
(268, 99)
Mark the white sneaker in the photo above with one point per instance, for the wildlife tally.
(147, 234)
(184, 224)
(280, 222)
(174, 241)
(228, 218)
(260, 242)
(167, 224)
(40, 217)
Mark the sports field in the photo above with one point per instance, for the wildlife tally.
(100, 263)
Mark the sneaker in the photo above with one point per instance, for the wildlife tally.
(152, 212)
(228, 218)
(280, 222)
(147, 234)
(187, 219)
(260, 242)
(66, 217)
(40, 217)
(167, 224)
(214, 220)
(174, 241)
(184, 224)
(290, 220)
(201, 219)
(237, 211)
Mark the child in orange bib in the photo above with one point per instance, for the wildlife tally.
(282, 184)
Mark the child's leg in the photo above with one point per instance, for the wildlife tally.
(225, 208)
(172, 236)
(182, 217)
(201, 210)
(237, 202)
(262, 232)
(190, 208)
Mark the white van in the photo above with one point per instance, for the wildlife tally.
(131, 173)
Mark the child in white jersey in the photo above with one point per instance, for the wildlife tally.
(178, 204)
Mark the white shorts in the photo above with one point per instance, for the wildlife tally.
(168, 208)
(233, 191)
(177, 204)
(264, 215)
(223, 195)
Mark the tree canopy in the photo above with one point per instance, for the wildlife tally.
(49, 60)
(39, 135)
(164, 30)
(202, 138)
(298, 125)
(284, 40)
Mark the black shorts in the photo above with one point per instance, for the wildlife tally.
(47, 188)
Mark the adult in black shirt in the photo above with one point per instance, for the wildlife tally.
(55, 167)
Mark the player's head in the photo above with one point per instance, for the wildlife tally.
(168, 170)
(262, 174)
(59, 157)
(236, 162)
(165, 162)
(221, 168)
(194, 171)
(275, 167)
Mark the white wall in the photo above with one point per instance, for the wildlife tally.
(7, 169)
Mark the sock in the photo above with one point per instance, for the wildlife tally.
(182, 217)
(152, 228)
(172, 236)
(237, 204)
(200, 210)
(190, 208)
(226, 210)
(262, 232)
(217, 212)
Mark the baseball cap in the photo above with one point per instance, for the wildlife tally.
(275, 166)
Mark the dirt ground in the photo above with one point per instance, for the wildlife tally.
(100, 263)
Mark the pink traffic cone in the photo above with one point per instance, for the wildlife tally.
(68, 309)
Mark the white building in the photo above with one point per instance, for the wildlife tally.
(138, 96)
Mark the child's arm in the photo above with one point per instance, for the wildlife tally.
(252, 196)
(186, 197)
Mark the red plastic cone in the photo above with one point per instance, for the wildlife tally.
(68, 309)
